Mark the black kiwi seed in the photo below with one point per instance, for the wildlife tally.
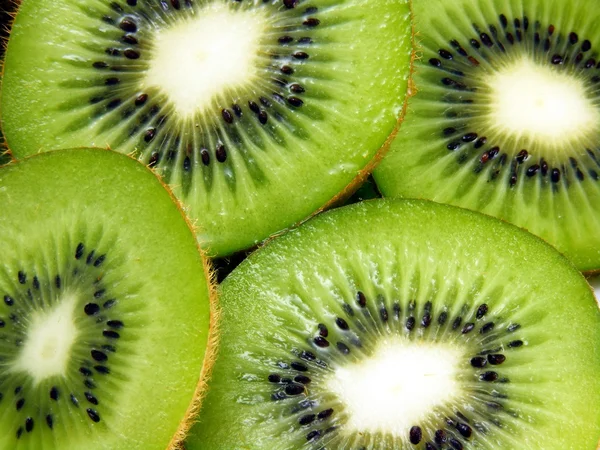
(111, 334)
(141, 99)
(456, 445)
(20, 403)
(311, 22)
(49, 421)
(361, 299)
(54, 393)
(415, 435)
(302, 379)
(308, 356)
(513, 327)
(221, 153)
(410, 323)
(85, 371)
(300, 367)
(102, 369)
(29, 424)
(98, 355)
(487, 328)
(456, 323)
(22, 277)
(313, 435)
(442, 318)
(323, 331)
(263, 117)
(488, 376)
(285, 39)
(109, 303)
(93, 415)
(274, 378)
(91, 309)
(496, 359)
(128, 25)
(294, 389)
(131, 54)
(227, 116)
(464, 429)
(440, 437)
(343, 348)
(8, 300)
(426, 320)
(467, 328)
(482, 311)
(295, 101)
(321, 342)
(445, 54)
(307, 419)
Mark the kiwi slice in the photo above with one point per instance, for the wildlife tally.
(104, 306)
(364, 329)
(506, 119)
(256, 113)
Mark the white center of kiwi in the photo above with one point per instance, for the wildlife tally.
(50, 337)
(398, 386)
(537, 101)
(196, 60)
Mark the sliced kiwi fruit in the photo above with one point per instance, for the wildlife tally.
(104, 306)
(255, 112)
(506, 119)
(365, 329)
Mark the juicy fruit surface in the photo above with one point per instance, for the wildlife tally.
(256, 113)
(98, 264)
(506, 120)
(364, 329)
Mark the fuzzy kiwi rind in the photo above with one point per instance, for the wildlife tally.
(450, 151)
(376, 267)
(333, 92)
(93, 238)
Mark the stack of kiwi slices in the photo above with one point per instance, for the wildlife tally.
(507, 117)
(382, 324)
(365, 329)
(257, 113)
(104, 306)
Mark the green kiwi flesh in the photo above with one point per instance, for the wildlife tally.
(256, 113)
(365, 329)
(104, 305)
(506, 119)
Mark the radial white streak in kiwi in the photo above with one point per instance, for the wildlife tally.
(540, 102)
(195, 61)
(50, 337)
(398, 386)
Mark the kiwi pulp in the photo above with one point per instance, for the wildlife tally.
(506, 119)
(104, 306)
(362, 329)
(256, 113)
